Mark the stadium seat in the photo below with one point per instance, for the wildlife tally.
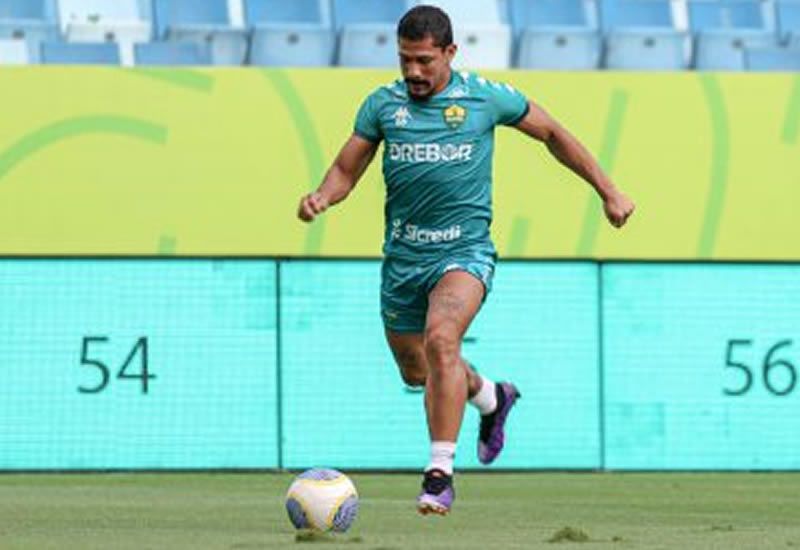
(471, 12)
(788, 19)
(772, 59)
(202, 22)
(14, 52)
(646, 49)
(33, 21)
(481, 30)
(65, 53)
(350, 12)
(550, 14)
(171, 54)
(293, 34)
(553, 49)
(368, 26)
(641, 35)
(123, 21)
(483, 46)
(622, 14)
(724, 49)
(724, 28)
(729, 14)
(307, 12)
(292, 46)
(368, 45)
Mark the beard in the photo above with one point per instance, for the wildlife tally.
(419, 90)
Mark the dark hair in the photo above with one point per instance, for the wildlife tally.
(422, 21)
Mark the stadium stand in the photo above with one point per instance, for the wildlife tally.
(724, 28)
(123, 21)
(556, 34)
(641, 35)
(667, 35)
(367, 35)
(788, 20)
(292, 34)
(772, 59)
(14, 52)
(30, 21)
(202, 22)
(481, 30)
(66, 53)
(171, 53)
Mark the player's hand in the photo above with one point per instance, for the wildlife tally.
(618, 208)
(311, 206)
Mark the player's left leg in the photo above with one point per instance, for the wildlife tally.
(452, 304)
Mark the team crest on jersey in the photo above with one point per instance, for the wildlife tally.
(455, 115)
(401, 117)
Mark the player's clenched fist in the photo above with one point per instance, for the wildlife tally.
(311, 206)
(618, 208)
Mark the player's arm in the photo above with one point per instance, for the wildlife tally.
(572, 154)
(340, 179)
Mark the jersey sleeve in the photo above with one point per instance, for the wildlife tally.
(508, 104)
(367, 123)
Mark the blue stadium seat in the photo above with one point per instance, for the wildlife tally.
(616, 14)
(788, 16)
(483, 46)
(469, 12)
(727, 14)
(308, 12)
(653, 49)
(293, 34)
(481, 30)
(526, 14)
(65, 53)
(14, 52)
(202, 22)
(641, 35)
(31, 20)
(567, 49)
(772, 59)
(171, 54)
(123, 21)
(292, 46)
(724, 28)
(349, 12)
(724, 49)
(368, 45)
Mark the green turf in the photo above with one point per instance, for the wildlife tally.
(493, 511)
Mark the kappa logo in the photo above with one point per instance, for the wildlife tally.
(458, 93)
(402, 116)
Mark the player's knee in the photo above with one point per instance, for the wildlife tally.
(413, 376)
(411, 362)
(442, 348)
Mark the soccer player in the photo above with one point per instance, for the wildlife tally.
(437, 126)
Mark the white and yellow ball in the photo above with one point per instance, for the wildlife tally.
(322, 500)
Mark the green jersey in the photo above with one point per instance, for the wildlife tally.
(437, 161)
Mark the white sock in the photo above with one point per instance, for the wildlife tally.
(486, 398)
(442, 455)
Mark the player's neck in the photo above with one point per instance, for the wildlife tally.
(444, 83)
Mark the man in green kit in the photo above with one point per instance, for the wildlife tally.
(437, 126)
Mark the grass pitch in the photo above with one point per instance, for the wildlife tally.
(492, 511)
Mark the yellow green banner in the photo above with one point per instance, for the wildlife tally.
(213, 161)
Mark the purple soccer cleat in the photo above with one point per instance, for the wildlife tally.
(437, 494)
(491, 436)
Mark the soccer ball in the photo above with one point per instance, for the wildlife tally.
(322, 500)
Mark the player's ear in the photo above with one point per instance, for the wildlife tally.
(450, 52)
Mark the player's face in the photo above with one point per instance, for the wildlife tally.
(425, 67)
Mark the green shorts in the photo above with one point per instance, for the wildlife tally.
(405, 284)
